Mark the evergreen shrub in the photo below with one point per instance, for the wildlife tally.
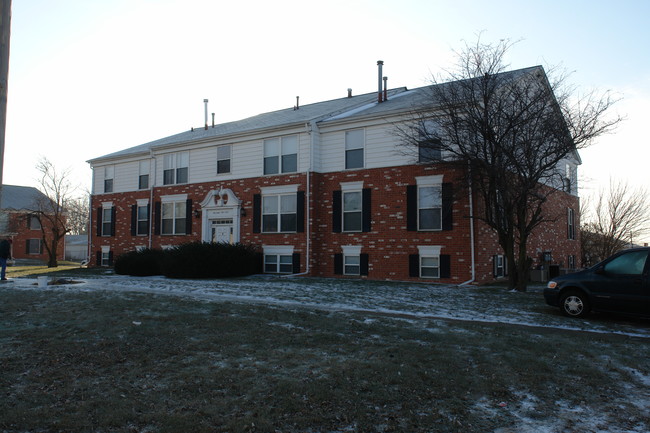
(211, 260)
(141, 263)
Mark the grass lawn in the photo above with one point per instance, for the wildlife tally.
(101, 361)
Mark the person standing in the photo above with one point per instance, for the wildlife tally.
(5, 254)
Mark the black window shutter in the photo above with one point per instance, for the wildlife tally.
(113, 213)
(363, 261)
(414, 265)
(99, 258)
(412, 208)
(148, 216)
(134, 219)
(257, 213)
(157, 218)
(336, 211)
(366, 214)
(99, 221)
(447, 205)
(110, 258)
(494, 265)
(445, 266)
(27, 246)
(295, 258)
(188, 216)
(338, 264)
(40, 247)
(300, 212)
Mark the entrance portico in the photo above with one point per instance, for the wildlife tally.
(221, 212)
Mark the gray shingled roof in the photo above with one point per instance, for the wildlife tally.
(20, 197)
(399, 100)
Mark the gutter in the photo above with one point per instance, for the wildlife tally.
(312, 130)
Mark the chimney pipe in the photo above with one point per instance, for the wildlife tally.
(349, 92)
(385, 88)
(380, 63)
(213, 120)
(205, 101)
(297, 107)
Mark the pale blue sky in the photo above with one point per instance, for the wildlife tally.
(91, 77)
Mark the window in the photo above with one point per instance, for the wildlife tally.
(571, 262)
(430, 207)
(34, 223)
(281, 155)
(430, 267)
(354, 147)
(631, 263)
(109, 173)
(280, 259)
(499, 266)
(352, 211)
(223, 159)
(174, 221)
(33, 246)
(571, 230)
(142, 223)
(143, 179)
(429, 263)
(107, 221)
(278, 264)
(175, 168)
(279, 213)
(105, 256)
(351, 265)
(429, 150)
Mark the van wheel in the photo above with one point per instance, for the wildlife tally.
(574, 304)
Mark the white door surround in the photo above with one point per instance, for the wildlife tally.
(220, 219)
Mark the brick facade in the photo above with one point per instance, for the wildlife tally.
(388, 244)
(21, 234)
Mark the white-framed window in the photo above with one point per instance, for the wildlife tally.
(143, 177)
(107, 219)
(34, 223)
(354, 148)
(571, 228)
(223, 159)
(352, 211)
(429, 261)
(142, 218)
(499, 266)
(281, 155)
(429, 144)
(109, 174)
(140, 248)
(278, 259)
(429, 202)
(33, 246)
(174, 218)
(279, 213)
(351, 259)
(176, 168)
(106, 256)
(571, 262)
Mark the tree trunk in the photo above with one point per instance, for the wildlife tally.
(523, 266)
(52, 261)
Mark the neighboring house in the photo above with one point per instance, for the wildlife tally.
(76, 248)
(17, 222)
(325, 189)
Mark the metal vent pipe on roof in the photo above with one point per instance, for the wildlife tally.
(385, 88)
(380, 63)
(213, 120)
(205, 101)
(349, 92)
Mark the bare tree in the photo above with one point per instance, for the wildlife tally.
(78, 215)
(619, 215)
(51, 211)
(509, 132)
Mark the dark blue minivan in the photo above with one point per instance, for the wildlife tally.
(620, 283)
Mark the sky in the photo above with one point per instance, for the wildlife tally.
(90, 77)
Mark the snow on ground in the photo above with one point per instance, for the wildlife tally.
(423, 301)
(409, 302)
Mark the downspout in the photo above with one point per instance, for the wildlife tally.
(311, 129)
(151, 186)
(90, 218)
(471, 236)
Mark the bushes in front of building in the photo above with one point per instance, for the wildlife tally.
(193, 260)
(140, 263)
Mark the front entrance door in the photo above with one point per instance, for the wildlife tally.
(222, 231)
